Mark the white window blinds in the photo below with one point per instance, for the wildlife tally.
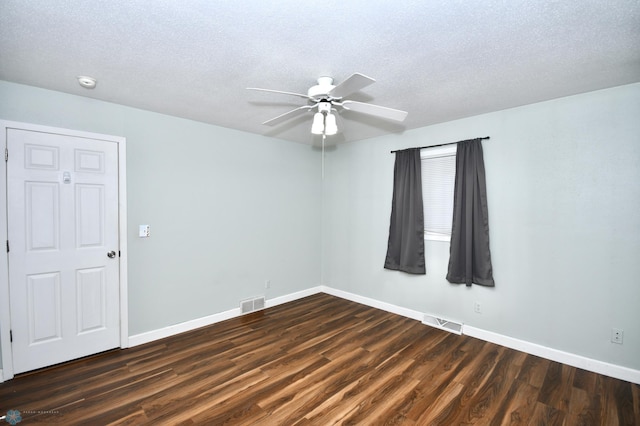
(438, 180)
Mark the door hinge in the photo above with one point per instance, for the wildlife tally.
(11, 336)
(6, 154)
(7, 246)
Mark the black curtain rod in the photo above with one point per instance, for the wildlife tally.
(442, 144)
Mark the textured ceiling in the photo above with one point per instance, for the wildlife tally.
(439, 60)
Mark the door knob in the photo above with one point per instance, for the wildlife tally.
(111, 254)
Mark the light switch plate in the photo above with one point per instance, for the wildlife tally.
(145, 231)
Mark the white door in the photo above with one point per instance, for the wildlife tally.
(62, 202)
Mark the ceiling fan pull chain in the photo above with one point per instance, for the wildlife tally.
(323, 138)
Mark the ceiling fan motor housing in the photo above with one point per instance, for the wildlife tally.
(322, 89)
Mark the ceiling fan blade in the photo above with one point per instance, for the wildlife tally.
(352, 84)
(281, 92)
(288, 115)
(375, 110)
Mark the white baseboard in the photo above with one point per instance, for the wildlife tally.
(150, 336)
(1, 376)
(293, 296)
(161, 333)
(600, 367)
(405, 312)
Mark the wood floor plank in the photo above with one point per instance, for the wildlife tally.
(480, 405)
(580, 412)
(544, 415)
(623, 396)
(534, 370)
(518, 405)
(376, 405)
(375, 383)
(635, 391)
(320, 360)
(308, 393)
(557, 386)
(442, 406)
(437, 378)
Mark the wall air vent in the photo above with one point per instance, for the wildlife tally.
(252, 305)
(443, 324)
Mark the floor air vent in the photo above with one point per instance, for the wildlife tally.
(252, 305)
(443, 324)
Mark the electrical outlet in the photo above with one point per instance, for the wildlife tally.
(477, 308)
(267, 284)
(617, 335)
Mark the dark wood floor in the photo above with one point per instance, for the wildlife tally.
(320, 360)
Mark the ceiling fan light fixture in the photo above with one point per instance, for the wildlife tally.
(317, 127)
(331, 127)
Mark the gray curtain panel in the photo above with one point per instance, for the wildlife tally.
(405, 251)
(469, 255)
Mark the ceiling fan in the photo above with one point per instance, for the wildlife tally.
(327, 99)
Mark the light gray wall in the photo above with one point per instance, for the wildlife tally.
(228, 210)
(563, 201)
(563, 182)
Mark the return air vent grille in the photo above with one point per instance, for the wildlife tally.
(252, 305)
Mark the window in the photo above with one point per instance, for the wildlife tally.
(438, 181)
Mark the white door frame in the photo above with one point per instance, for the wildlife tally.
(6, 371)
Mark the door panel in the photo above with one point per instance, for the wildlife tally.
(89, 216)
(41, 157)
(91, 299)
(43, 294)
(42, 215)
(62, 194)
